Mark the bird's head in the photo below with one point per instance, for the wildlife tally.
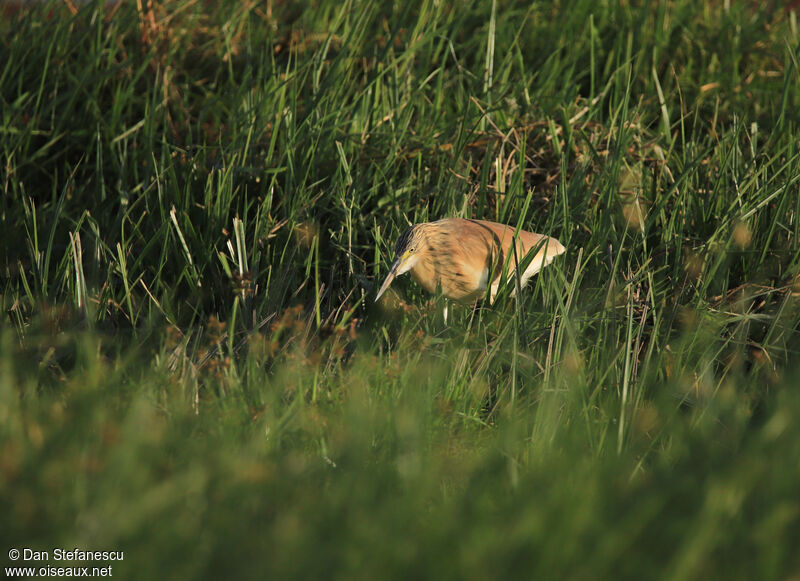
(407, 253)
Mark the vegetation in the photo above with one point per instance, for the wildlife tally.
(199, 199)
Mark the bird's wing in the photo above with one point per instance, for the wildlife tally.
(546, 247)
(465, 254)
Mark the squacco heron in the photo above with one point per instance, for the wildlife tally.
(464, 257)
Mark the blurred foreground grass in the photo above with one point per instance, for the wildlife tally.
(199, 198)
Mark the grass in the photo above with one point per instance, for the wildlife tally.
(200, 199)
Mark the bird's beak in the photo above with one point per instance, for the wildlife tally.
(389, 278)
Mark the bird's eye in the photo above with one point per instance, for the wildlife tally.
(412, 249)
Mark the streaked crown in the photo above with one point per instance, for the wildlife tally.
(411, 238)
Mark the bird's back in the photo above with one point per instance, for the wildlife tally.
(490, 246)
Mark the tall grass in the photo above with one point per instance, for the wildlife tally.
(198, 199)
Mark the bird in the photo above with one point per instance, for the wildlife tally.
(463, 257)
